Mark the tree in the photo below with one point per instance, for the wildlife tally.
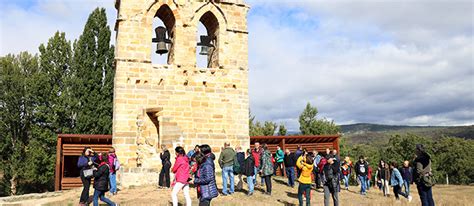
(16, 112)
(310, 125)
(269, 128)
(281, 130)
(54, 113)
(93, 73)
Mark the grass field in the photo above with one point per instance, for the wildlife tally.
(282, 195)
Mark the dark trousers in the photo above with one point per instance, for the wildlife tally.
(164, 180)
(204, 202)
(276, 166)
(317, 180)
(426, 195)
(85, 190)
(304, 188)
(268, 183)
(290, 173)
(398, 190)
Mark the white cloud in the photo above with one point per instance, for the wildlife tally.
(394, 62)
(25, 28)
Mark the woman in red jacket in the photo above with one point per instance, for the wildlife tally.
(181, 171)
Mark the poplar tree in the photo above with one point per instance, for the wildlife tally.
(93, 76)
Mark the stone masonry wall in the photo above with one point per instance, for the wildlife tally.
(178, 103)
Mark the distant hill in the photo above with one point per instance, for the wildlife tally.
(365, 132)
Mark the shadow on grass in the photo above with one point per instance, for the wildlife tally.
(279, 181)
(286, 203)
(292, 195)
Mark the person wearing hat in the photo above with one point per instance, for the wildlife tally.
(423, 176)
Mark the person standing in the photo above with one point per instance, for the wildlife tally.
(114, 167)
(396, 181)
(226, 162)
(240, 158)
(164, 180)
(266, 168)
(362, 168)
(101, 181)
(407, 174)
(423, 176)
(205, 179)
(329, 178)
(290, 163)
(181, 171)
(305, 164)
(257, 155)
(248, 170)
(86, 162)
(279, 155)
(383, 175)
(346, 169)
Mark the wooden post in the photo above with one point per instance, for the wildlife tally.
(57, 175)
(283, 147)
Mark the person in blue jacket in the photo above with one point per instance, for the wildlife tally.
(396, 181)
(86, 161)
(205, 179)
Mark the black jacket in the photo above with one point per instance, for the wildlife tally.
(248, 168)
(101, 178)
(290, 160)
(361, 169)
(165, 158)
(331, 176)
(241, 159)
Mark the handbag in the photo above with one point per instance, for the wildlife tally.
(428, 180)
(88, 173)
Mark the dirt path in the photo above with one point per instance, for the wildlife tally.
(282, 195)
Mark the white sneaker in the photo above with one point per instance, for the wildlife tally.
(410, 198)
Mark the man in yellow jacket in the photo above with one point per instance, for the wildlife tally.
(305, 164)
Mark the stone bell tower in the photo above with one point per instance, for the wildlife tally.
(177, 102)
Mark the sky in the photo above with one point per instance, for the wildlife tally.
(401, 62)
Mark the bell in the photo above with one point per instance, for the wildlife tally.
(161, 48)
(204, 50)
(161, 40)
(205, 44)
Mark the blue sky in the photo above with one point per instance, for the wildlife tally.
(388, 62)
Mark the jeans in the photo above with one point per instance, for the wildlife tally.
(304, 188)
(227, 172)
(363, 184)
(398, 190)
(290, 173)
(407, 187)
(174, 194)
(334, 195)
(86, 183)
(346, 180)
(113, 183)
(250, 182)
(164, 179)
(268, 183)
(368, 184)
(204, 202)
(426, 195)
(101, 194)
(255, 170)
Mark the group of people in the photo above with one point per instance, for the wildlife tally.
(197, 167)
(102, 167)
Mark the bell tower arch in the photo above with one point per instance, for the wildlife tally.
(176, 102)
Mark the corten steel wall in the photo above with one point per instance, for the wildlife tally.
(71, 145)
(177, 103)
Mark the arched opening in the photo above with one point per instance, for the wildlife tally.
(162, 45)
(208, 35)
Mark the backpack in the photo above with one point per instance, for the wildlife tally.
(236, 166)
(116, 164)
